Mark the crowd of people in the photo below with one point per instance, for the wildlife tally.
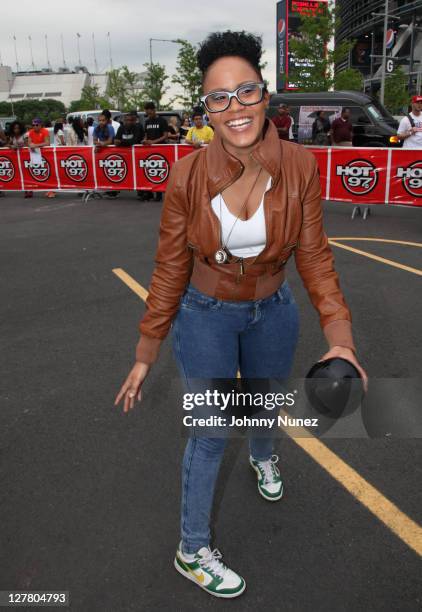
(192, 129)
(338, 133)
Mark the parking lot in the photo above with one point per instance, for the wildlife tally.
(90, 496)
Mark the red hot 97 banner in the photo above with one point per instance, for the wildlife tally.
(359, 176)
(321, 154)
(114, 168)
(39, 176)
(152, 166)
(75, 167)
(10, 177)
(406, 177)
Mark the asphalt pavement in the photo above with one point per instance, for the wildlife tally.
(90, 496)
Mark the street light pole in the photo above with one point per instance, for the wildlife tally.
(412, 53)
(384, 44)
(79, 49)
(384, 53)
(159, 40)
(372, 56)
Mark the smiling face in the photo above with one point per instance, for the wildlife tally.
(239, 126)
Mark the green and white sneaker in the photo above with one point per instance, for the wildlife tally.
(206, 569)
(270, 484)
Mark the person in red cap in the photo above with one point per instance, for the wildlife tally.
(410, 128)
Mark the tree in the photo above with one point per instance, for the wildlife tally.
(311, 51)
(90, 100)
(5, 109)
(188, 75)
(396, 96)
(348, 80)
(154, 87)
(25, 110)
(122, 88)
(116, 89)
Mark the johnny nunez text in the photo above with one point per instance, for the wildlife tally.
(244, 421)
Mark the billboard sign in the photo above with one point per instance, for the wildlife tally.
(281, 44)
(288, 28)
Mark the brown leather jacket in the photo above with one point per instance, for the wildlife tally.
(189, 237)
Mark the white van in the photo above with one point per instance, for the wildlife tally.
(91, 113)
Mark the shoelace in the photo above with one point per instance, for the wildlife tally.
(213, 563)
(269, 470)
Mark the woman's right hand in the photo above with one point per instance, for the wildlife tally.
(131, 388)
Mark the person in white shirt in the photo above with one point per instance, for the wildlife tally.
(291, 136)
(59, 140)
(410, 128)
(90, 130)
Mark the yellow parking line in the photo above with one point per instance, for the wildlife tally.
(131, 283)
(388, 513)
(381, 507)
(404, 242)
(389, 262)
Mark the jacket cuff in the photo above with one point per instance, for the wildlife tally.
(339, 333)
(147, 349)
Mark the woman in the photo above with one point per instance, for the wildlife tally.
(59, 141)
(184, 129)
(173, 136)
(219, 278)
(320, 129)
(76, 136)
(58, 134)
(18, 140)
(89, 131)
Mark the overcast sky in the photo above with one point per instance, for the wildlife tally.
(131, 23)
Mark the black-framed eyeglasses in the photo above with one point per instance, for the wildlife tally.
(247, 95)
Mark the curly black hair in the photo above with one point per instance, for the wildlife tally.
(228, 43)
(11, 127)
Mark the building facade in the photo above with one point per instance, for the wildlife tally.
(404, 39)
(64, 86)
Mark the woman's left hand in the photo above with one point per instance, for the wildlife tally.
(346, 353)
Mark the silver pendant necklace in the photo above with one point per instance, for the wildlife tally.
(222, 255)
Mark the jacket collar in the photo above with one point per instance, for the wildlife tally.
(223, 167)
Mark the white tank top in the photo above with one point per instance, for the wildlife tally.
(248, 238)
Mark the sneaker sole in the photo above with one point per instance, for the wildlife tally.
(255, 469)
(204, 588)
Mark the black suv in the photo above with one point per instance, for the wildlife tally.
(373, 125)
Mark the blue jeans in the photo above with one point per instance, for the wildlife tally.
(215, 338)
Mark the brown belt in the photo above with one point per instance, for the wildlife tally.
(225, 282)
